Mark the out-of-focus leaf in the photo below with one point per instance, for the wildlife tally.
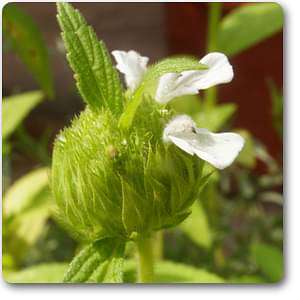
(100, 261)
(247, 155)
(248, 25)
(262, 154)
(247, 279)
(170, 272)
(188, 104)
(23, 193)
(7, 261)
(6, 165)
(16, 108)
(26, 39)
(214, 118)
(277, 107)
(196, 226)
(27, 226)
(273, 197)
(43, 273)
(269, 259)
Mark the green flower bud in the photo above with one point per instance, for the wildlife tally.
(113, 183)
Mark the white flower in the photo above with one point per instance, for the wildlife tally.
(218, 149)
(173, 85)
(132, 65)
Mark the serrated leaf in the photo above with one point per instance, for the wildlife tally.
(100, 260)
(16, 108)
(110, 272)
(23, 193)
(97, 80)
(197, 228)
(269, 259)
(26, 39)
(248, 25)
(171, 272)
(149, 83)
(43, 273)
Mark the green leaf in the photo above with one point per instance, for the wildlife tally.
(16, 108)
(43, 273)
(97, 79)
(269, 259)
(196, 226)
(171, 272)
(248, 25)
(26, 39)
(149, 83)
(100, 261)
(23, 193)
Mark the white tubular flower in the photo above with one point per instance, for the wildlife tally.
(218, 149)
(173, 85)
(132, 65)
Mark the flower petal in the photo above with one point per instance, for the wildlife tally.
(172, 85)
(220, 70)
(218, 149)
(132, 65)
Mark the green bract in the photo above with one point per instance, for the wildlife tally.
(109, 183)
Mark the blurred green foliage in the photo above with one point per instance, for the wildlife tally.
(23, 35)
(247, 25)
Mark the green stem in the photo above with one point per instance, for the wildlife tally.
(145, 260)
(214, 15)
(158, 247)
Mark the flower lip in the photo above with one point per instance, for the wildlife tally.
(172, 85)
(179, 124)
(218, 149)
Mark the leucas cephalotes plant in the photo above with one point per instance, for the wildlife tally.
(127, 166)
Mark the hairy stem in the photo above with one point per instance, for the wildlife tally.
(214, 15)
(145, 260)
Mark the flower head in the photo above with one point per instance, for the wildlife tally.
(218, 149)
